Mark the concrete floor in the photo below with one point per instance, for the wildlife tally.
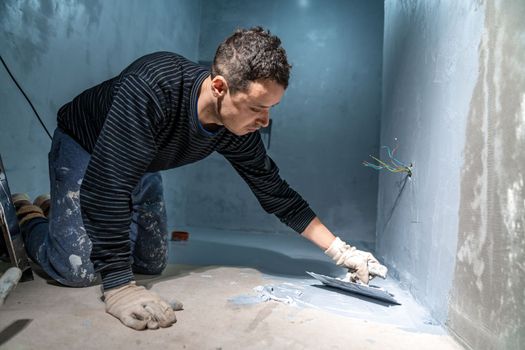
(223, 308)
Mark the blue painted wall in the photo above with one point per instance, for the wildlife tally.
(56, 49)
(453, 96)
(326, 124)
(429, 72)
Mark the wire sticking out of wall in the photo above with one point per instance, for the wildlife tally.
(395, 166)
(26, 97)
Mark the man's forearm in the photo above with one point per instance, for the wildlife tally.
(319, 234)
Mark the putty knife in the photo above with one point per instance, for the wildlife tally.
(370, 291)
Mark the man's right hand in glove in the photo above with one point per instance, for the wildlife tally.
(139, 308)
(362, 266)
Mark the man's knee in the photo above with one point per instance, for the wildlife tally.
(78, 274)
(78, 281)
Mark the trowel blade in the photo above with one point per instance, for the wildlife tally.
(362, 289)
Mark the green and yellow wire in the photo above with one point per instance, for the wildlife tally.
(396, 165)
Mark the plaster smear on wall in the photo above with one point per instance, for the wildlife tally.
(487, 307)
(470, 251)
(520, 130)
(513, 219)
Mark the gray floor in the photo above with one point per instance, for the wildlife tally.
(250, 294)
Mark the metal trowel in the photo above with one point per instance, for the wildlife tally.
(370, 291)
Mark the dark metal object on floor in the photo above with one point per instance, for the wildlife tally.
(11, 243)
(362, 289)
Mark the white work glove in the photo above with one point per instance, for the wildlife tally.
(362, 266)
(139, 308)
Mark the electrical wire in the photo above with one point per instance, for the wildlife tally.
(25, 95)
(396, 165)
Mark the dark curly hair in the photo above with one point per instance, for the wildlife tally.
(249, 55)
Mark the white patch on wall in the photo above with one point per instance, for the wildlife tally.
(520, 130)
(470, 252)
(513, 210)
(303, 3)
(513, 218)
(498, 67)
(319, 37)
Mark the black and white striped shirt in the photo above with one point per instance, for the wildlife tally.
(145, 120)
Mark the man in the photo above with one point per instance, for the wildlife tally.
(107, 210)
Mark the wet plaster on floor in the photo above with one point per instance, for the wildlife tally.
(310, 293)
(284, 261)
(39, 314)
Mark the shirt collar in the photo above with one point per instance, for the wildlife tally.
(193, 112)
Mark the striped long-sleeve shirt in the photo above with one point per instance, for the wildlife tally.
(143, 120)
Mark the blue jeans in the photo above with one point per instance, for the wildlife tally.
(61, 246)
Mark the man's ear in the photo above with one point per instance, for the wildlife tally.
(219, 86)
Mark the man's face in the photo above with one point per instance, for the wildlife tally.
(249, 110)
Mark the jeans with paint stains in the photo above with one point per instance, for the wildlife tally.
(60, 244)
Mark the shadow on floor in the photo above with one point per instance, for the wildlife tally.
(201, 255)
(265, 260)
(354, 295)
(13, 329)
(193, 256)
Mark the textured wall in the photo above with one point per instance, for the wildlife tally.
(429, 72)
(454, 97)
(56, 49)
(326, 124)
(487, 307)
